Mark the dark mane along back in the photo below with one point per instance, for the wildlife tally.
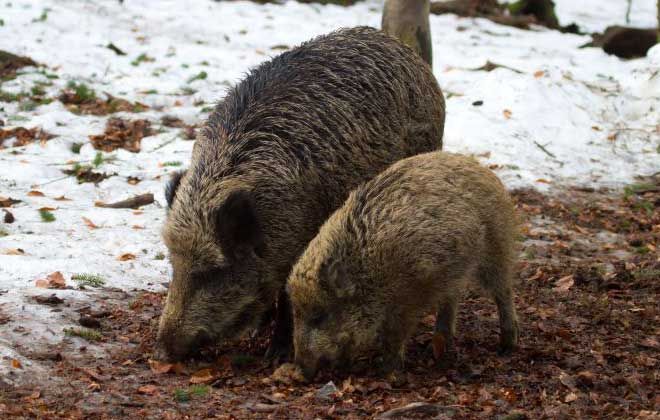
(330, 94)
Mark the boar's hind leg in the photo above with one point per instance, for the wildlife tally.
(496, 278)
(281, 343)
(445, 325)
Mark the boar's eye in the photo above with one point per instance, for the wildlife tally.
(317, 319)
(212, 274)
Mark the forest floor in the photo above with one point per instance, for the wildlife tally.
(587, 293)
(104, 105)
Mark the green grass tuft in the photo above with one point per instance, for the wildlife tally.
(98, 160)
(199, 390)
(159, 256)
(47, 216)
(181, 395)
(86, 279)
(85, 333)
(199, 76)
(630, 190)
(173, 163)
(3, 233)
(75, 147)
(142, 58)
(82, 91)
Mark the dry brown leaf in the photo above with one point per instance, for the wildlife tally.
(148, 390)
(61, 198)
(203, 376)
(571, 397)
(539, 73)
(564, 284)
(47, 208)
(163, 367)
(507, 114)
(137, 227)
(13, 251)
(126, 257)
(52, 281)
(35, 193)
(543, 181)
(89, 223)
(16, 364)
(650, 342)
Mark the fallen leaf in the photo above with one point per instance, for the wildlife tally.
(567, 380)
(13, 251)
(563, 284)
(287, 374)
(126, 257)
(89, 223)
(203, 376)
(539, 73)
(52, 281)
(507, 114)
(163, 367)
(35, 193)
(137, 227)
(8, 201)
(571, 397)
(47, 208)
(16, 364)
(543, 181)
(148, 390)
(650, 342)
(62, 198)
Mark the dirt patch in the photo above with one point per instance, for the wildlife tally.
(24, 136)
(189, 131)
(122, 134)
(587, 300)
(9, 63)
(80, 99)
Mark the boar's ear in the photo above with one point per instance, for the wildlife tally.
(172, 186)
(237, 226)
(337, 279)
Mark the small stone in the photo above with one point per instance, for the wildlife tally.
(326, 391)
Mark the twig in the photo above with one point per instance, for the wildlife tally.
(547, 152)
(129, 203)
(164, 144)
(51, 181)
(490, 66)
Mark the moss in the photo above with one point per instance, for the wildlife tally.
(47, 216)
(85, 279)
(85, 333)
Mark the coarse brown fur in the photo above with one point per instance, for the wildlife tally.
(402, 245)
(279, 154)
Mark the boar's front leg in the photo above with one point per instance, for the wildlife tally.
(445, 329)
(281, 344)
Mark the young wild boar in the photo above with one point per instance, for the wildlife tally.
(401, 245)
(278, 155)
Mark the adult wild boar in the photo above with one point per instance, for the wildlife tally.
(402, 245)
(277, 156)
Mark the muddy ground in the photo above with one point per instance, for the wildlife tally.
(588, 283)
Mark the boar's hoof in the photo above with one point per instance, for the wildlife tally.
(278, 353)
(508, 341)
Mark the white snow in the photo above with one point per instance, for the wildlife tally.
(596, 114)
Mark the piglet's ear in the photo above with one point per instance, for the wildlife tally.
(172, 186)
(237, 226)
(337, 279)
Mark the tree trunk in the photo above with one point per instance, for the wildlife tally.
(408, 20)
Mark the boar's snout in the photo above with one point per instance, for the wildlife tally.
(174, 346)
